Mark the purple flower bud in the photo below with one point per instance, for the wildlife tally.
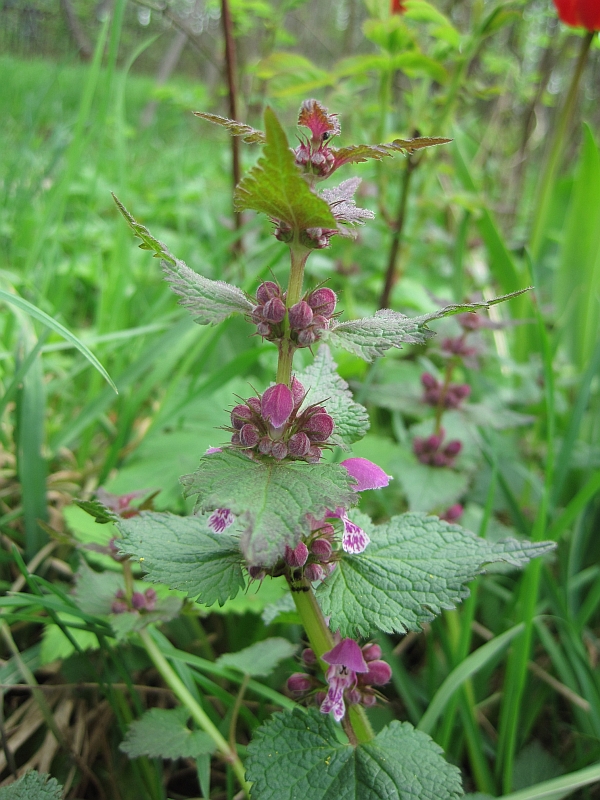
(265, 445)
(257, 315)
(453, 448)
(330, 567)
(319, 427)
(368, 700)
(120, 594)
(314, 572)
(277, 404)
(119, 607)
(368, 474)
(279, 450)
(462, 390)
(299, 445)
(138, 600)
(240, 415)
(322, 301)
(353, 696)
(267, 291)
(298, 392)
(320, 697)
(320, 323)
(379, 673)
(309, 657)
(254, 404)
(470, 321)
(235, 439)
(428, 381)
(299, 682)
(347, 654)
(150, 595)
(256, 573)
(249, 435)
(434, 441)
(307, 337)
(313, 455)
(322, 549)
(274, 310)
(300, 316)
(453, 513)
(263, 329)
(371, 652)
(439, 460)
(296, 557)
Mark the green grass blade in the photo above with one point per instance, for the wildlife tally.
(47, 320)
(466, 669)
(558, 788)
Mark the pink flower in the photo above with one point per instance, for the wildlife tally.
(367, 474)
(346, 660)
(220, 519)
(277, 404)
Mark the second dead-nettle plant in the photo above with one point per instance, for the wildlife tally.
(269, 504)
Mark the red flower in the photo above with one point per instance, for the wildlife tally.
(397, 7)
(578, 13)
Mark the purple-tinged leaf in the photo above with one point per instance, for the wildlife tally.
(276, 187)
(248, 134)
(357, 153)
(318, 120)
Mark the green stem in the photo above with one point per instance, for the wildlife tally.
(200, 717)
(299, 254)
(357, 725)
(556, 148)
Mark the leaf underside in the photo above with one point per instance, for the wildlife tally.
(326, 387)
(271, 499)
(208, 301)
(297, 754)
(184, 554)
(358, 153)
(275, 186)
(248, 134)
(370, 337)
(415, 566)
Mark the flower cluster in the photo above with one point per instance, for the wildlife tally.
(352, 675)
(314, 558)
(273, 425)
(438, 394)
(306, 318)
(138, 601)
(432, 451)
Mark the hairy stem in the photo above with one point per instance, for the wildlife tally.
(356, 724)
(199, 715)
(299, 254)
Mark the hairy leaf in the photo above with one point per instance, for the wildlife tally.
(272, 499)
(247, 133)
(208, 301)
(184, 554)
(370, 337)
(415, 566)
(326, 387)
(276, 187)
(261, 658)
(32, 786)
(297, 754)
(101, 514)
(163, 733)
(357, 153)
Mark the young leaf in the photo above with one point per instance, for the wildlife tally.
(370, 337)
(249, 134)
(298, 754)
(272, 499)
(276, 187)
(326, 387)
(208, 301)
(357, 153)
(32, 786)
(184, 554)
(261, 658)
(97, 510)
(163, 733)
(415, 566)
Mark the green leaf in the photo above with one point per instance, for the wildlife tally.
(163, 733)
(166, 609)
(372, 336)
(298, 754)
(272, 499)
(276, 187)
(32, 786)
(357, 153)
(184, 554)
(326, 387)
(208, 301)
(415, 566)
(247, 133)
(261, 658)
(99, 512)
(45, 319)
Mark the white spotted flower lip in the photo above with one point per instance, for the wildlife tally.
(368, 476)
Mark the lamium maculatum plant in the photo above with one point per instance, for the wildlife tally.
(274, 501)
